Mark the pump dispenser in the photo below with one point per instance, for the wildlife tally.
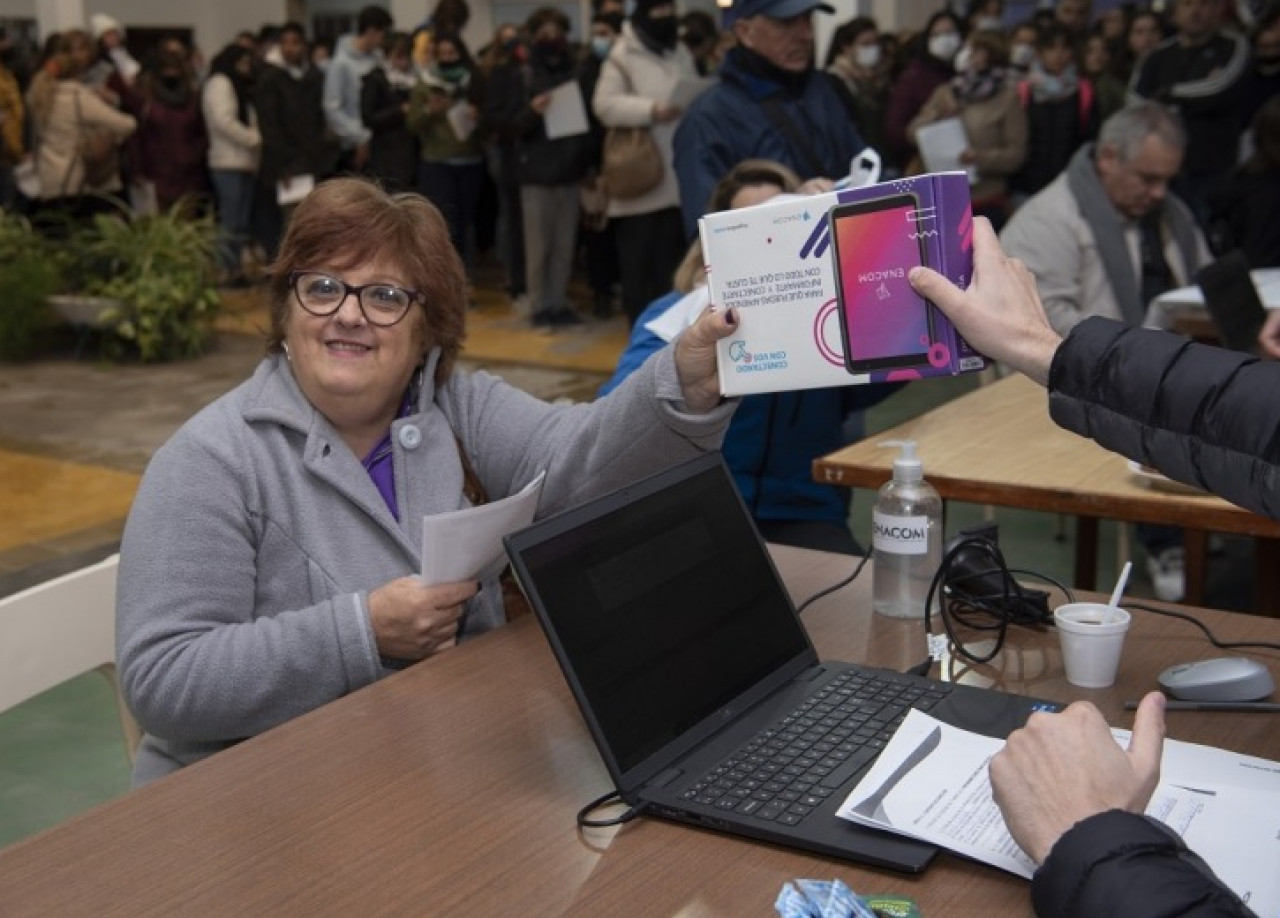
(906, 537)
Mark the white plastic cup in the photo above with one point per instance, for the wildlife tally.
(1092, 635)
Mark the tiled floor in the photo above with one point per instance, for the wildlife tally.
(74, 435)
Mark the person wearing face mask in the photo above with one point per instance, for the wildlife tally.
(1022, 49)
(636, 83)
(384, 109)
(548, 170)
(169, 147)
(295, 141)
(854, 61)
(986, 101)
(443, 114)
(596, 231)
(930, 66)
(1061, 111)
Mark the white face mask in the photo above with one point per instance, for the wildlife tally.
(987, 24)
(944, 46)
(964, 57)
(1022, 55)
(866, 56)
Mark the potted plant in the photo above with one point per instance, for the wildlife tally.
(153, 279)
(29, 273)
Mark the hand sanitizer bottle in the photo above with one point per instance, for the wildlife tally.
(906, 538)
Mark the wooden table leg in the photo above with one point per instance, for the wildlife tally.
(1195, 553)
(1086, 575)
(1266, 576)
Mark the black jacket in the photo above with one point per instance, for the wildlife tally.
(1200, 414)
(1122, 864)
(295, 139)
(393, 149)
(539, 159)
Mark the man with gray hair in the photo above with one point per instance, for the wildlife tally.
(1105, 238)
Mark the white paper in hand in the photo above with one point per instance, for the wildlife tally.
(941, 144)
(566, 116)
(467, 544)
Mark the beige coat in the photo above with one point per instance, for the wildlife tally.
(58, 137)
(631, 80)
(1051, 236)
(997, 132)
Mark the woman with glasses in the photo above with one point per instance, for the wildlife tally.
(268, 564)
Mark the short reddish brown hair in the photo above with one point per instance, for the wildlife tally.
(349, 221)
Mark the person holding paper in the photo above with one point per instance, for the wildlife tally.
(985, 99)
(553, 157)
(384, 109)
(268, 563)
(1198, 414)
(442, 113)
(644, 69)
(296, 144)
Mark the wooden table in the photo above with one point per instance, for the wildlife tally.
(450, 789)
(997, 445)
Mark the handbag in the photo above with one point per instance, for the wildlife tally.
(631, 164)
(96, 150)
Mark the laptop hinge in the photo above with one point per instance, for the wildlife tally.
(665, 777)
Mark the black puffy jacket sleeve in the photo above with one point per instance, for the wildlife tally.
(1200, 414)
(1122, 864)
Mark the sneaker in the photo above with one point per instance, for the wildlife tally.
(565, 316)
(1167, 570)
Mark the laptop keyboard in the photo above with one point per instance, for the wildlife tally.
(790, 768)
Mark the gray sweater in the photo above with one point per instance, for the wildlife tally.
(257, 535)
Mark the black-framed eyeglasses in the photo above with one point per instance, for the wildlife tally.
(322, 295)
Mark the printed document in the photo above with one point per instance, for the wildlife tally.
(931, 783)
(467, 544)
(941, 144)
(566, 115)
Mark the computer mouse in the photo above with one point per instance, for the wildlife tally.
(1219, 679)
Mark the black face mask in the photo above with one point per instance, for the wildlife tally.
(664, 30)
(551, 48)
(170, 81)
(1269, 65)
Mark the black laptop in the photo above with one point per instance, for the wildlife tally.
(698, 680)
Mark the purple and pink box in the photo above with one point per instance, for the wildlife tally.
(820, 283)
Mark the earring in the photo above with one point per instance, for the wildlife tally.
(284, 346)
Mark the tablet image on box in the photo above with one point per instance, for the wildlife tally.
(821, 289)
(884, 323)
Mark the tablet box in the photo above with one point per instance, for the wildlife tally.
(775, 263)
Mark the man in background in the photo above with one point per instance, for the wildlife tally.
(771, 103)
(354, 56)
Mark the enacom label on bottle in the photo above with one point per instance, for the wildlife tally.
(900, 535)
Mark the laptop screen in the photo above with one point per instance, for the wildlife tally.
(664, 604)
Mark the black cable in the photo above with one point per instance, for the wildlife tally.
(603, 800)
(989, 610)
(1221, 645)
(835, 586)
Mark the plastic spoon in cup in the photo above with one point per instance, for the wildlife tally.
(1121, 582)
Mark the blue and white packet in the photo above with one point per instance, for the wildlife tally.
(820, 899)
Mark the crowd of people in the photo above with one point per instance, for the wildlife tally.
(274, 111)
(1118, 154)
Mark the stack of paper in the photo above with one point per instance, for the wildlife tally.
(931, 783)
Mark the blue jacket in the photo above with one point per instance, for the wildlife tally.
(773, 439)
(728, 123)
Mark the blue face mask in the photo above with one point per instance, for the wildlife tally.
(600, 46)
